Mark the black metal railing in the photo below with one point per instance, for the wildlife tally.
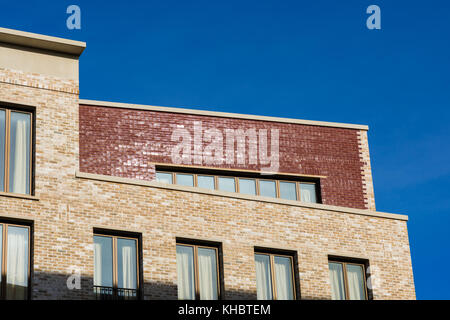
(110, 293)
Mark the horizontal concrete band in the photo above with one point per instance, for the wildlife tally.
(38, 41)
(155, 184)
(221, 114)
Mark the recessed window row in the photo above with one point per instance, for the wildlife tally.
(200, 273)
(283, 189)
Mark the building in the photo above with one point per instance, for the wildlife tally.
(158, 203)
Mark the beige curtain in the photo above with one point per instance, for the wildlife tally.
(97, 264)
(355, 282)
(263, 279)
(337, 281)
(185, 273)
(17, 263)
(283, 278)
(127, 268)
(305, 195)
(207, 269)
(20, 158)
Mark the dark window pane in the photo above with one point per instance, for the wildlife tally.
(19, 158)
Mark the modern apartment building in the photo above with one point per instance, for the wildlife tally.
(145, 202)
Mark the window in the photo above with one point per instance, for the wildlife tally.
(116, 267)
(198, 272)
(348, 281)
(15, 151)
(14, 261)
(290, 190)
(274, 276)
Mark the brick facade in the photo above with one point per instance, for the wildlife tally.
(108, 142)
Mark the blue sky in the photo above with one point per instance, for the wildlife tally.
(312, 60)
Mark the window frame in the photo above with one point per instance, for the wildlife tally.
(115, 279)
(4, 254)
(237, 178)
(272, 254)
(195, 247)
(344, 263)
(8, 108)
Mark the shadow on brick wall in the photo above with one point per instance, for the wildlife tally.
(54, 286)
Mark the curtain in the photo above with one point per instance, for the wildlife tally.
(97, 264)
(283, 278)
(2, 148)
(17, 263)
(355, 282)
(127, 268)
(207, 269)
(19, 183)
(305, 195)
(185, 272)
(263, 279)
(337, 281)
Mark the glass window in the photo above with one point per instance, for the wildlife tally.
(283, 280)
(115, 268)
(126, 262)
(16, 264)
(247, 186)
(355, 278)
(2, 148)
(347, 281)
(308, 192)
(288, 190)
(337, 281)
(227, 184)
(263, 277)
(19, 161)
(206, 182)
(164, 177)
(185, 179)
(267, 188)
(197, 280)
(185, 272)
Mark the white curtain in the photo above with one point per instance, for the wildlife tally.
(263, 280)
(185, 273)
(305, 195)
(20, 158)
(207, 269)
(127, 268)
(355, 282)
(97, 264)
(17, 263)
(337, 281)
(283, 278)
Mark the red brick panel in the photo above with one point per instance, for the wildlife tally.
(124, 143)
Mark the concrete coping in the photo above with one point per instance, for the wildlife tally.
(18, 195)
(221, 114)
(154, 184)
(43, 42)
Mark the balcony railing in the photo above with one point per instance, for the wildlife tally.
(110, 293)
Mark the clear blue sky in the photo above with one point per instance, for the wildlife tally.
(311, 60)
